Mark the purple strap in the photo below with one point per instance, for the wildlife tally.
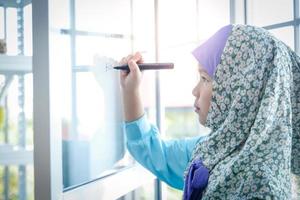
(196, 181)
(209, 53)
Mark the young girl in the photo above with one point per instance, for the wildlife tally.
(249, 95)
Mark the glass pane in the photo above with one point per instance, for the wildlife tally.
(1, 23)
(92, 125)
(295, 187)
(212, 15)
(181, 122)
(28, 30)
(267, 12)
(146, 192)
(285, 34)
(103, 16)
(97, 137)
(61, 18)
(9, 189)
(12, 34)
(173, 194)
(88, 47)
(143, 27)
(179, 25)
(143, 41)
(176, 85)
(177, 95)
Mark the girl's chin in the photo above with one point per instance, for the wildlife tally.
(201, 121)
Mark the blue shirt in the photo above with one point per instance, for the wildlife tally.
(167, 159)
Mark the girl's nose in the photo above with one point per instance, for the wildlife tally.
(195, 92)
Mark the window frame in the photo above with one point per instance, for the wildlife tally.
(238, 5)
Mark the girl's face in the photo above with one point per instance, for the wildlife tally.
(203, 94)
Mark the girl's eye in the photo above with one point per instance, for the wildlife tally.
(204, 79)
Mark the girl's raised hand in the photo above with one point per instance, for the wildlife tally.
(131, 80)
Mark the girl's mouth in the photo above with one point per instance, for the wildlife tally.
(197, 109)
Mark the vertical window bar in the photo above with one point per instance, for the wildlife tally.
(5, 23)
(21, 117)
(6, 141)
(131, 27)
(74, 132)
(232, 11)
(197, 20)
(5, 128)
(157, 183)
(245, 12)
(22, 136)
(296, 26)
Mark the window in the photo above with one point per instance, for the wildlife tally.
(281, 18)
(195, 22)
(93, 122)
(79, 114)
(267, 12)
(286, 34)
(212, 15)
(84, 102)
(16, 102)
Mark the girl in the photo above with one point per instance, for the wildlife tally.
(249, 95)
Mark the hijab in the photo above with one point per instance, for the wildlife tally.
(254, 146)
(209, 53)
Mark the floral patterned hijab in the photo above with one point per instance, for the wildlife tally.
(254, 146)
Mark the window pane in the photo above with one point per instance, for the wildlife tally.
(213, 14)
(267, 12)
(103, 16)
(143, 41)
(179, 24)
(1, 23)
(285, 34)
(61, 18)
(295, 187)
(92, 126)
(87, 47)
(173, 194)
(93, 121)
(181, 122)
(11, 189)
(177, 84)
(143, 27)
(145, 192)
(12, 35)
(179, 93)
(28, 30)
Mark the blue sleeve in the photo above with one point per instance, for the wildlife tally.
(167, 159)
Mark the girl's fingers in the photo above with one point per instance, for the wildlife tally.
(130, 56)
(123, 73)
(132, 61)
(141, 60)
(123, 61)
(133, 66)
(137, 56)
